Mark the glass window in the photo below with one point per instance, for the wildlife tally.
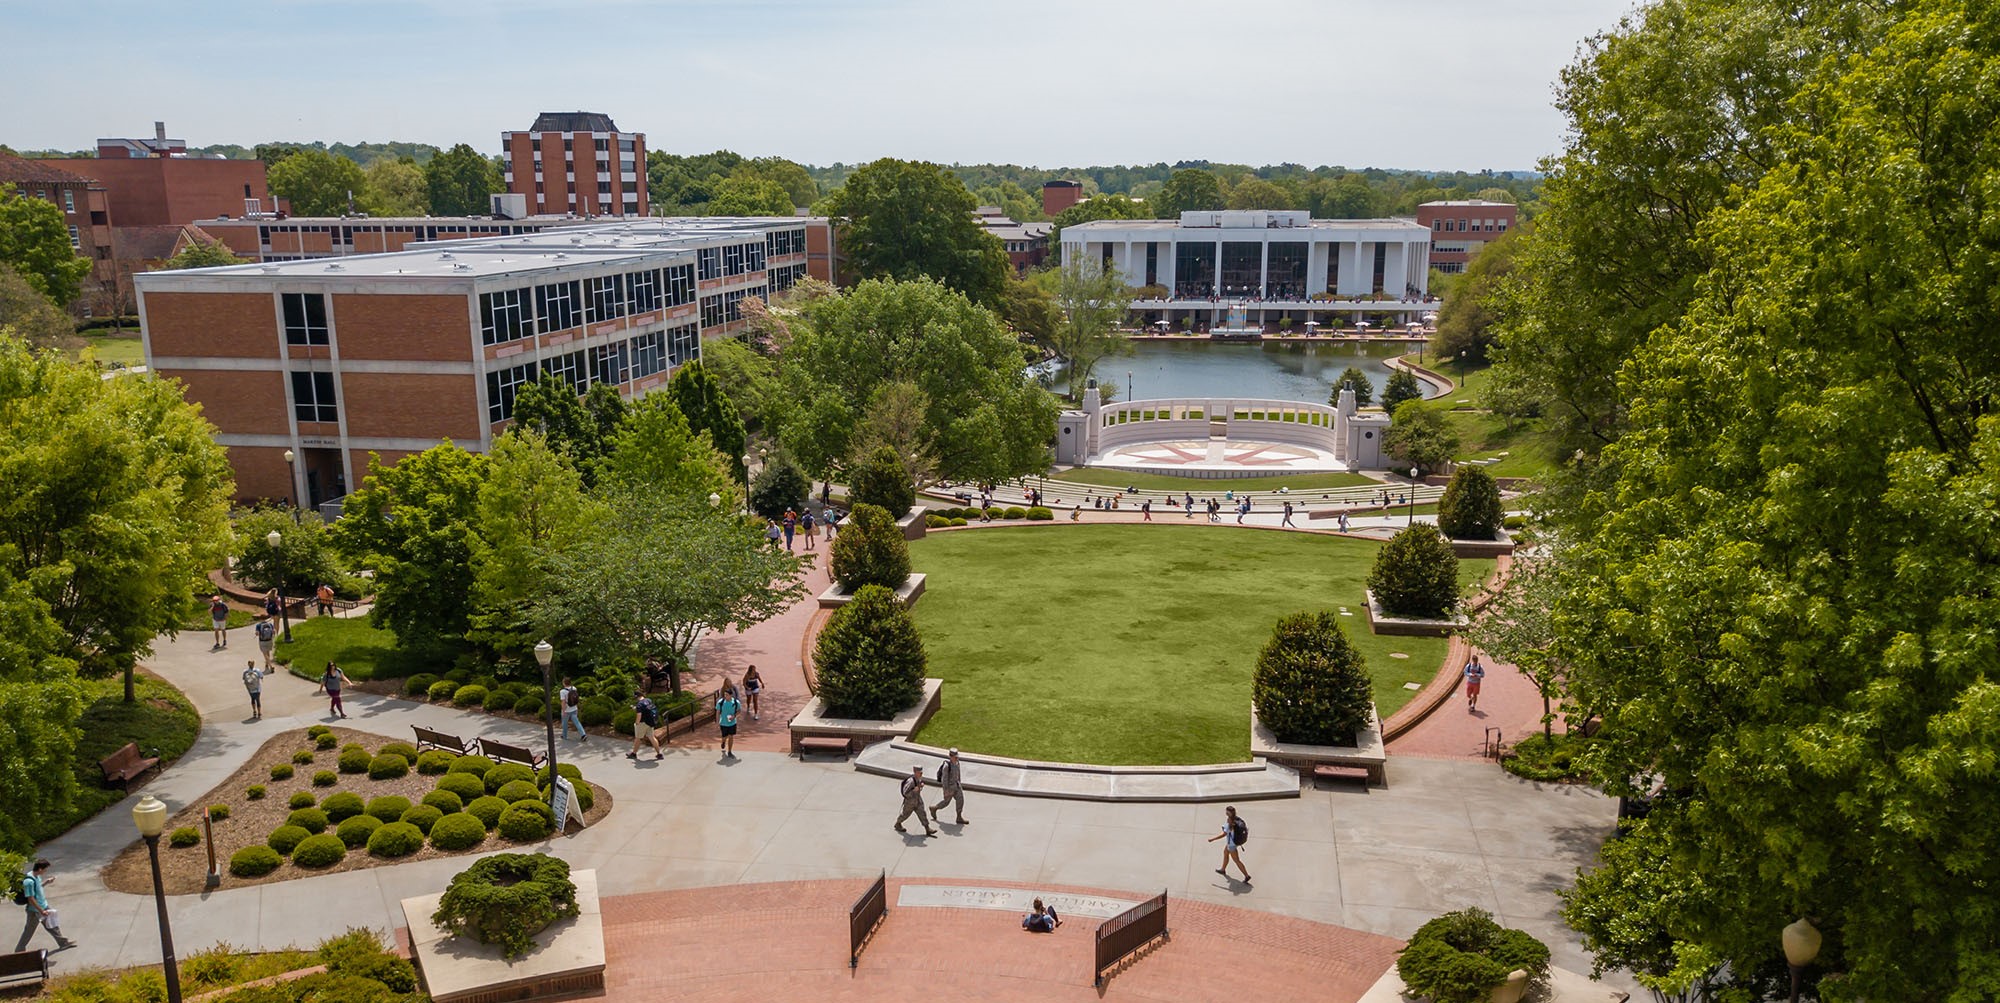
(607, 364)
(69, 201)
(501, 386)
(753, 257)
(305, 318)
(648, 354)
(711, 311)
(75, 241)
(710, 260)
(567, 367)
(644, 290)
(607, 297)
(558, 306)
(683, 345)
(680, 285)
(503, 316)
(312, 397)
(732, 260)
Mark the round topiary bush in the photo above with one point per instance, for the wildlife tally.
(312, 820)
(1470, 508)
(1014, 512)
(441, 690)
(434, 761)
(419, 684)
(487, 809)
(403, 749)
(506, 899)
(324, 850)
(325, 778)
(387, 766)
(529, 704)
(1311, 686)
(317, 730)
(218, 812)
(1040, 513)
(466, 785)
(935, 521)
(396, 839)
(475, 765)
(460, 676)
(869, 659)
(301, 799)
(625, 721)
(355, 831)
(444, 801)
(186, 835)
(881, 480)
(302, 757)
(504, 774)
(325, 742)
(281, 771)
(354, 759)
(388, 807)
(254, 792)
(1461, 957)
(517, 790)
(342, 806)
(469, 695)
(254, 861)
(457, 831)
(499, 700)
(1416, 575)
(596, 712)
(527, 821)
(284, 837)
(958, 522)
(870, 550)
(422, 816)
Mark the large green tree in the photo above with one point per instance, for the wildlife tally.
(317, 183)
(907, 220)
(1091, 301)
(201, 254)
(1100, 207)
(1470, 319)
(655, 450)
(459, 180)
(396, 187)
(750, 196)
(34, 241)
(417, 524)
(708, 409)
(1188, 190)
(532, 507)
(30, 315)
(550, 408)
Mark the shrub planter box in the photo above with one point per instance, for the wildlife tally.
(1383, 623)
(1366, 754)
(912, 525)
(912, 590)
(568, 959)
(1501, 544)
(813, 722)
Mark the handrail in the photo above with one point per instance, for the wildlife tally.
(1123, 935)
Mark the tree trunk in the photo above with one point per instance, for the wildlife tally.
(129, 696)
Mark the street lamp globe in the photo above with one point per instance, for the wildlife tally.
(1801, 942)
(545, 653)
(1413, 473)
(273, 539)
(290, 456)
(150, 815)
(714, 500)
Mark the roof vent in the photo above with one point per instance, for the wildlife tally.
(576, 240)
(446, 256)
(560, 256)
(335, 267)
(462, 267)
(270, 269)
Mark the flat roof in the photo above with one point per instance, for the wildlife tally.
(1470, 203)
(1316, 224)
(402, 220)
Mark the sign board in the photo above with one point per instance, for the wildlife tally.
(565, 805)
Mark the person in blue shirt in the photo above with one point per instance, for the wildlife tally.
(727, 707)
(35, 892)
(1042, 920)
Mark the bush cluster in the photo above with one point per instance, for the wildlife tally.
(403, 749)
(254, 792)
(422, 816)
(1540, 757)
(254, 861)
(1310, 685)
(441, 690)
(396, 839)
(1460, 957)
(527, 821)
(354, 759)
(324, 850)
(466, 785)
(342, 806)
(325, 742)
(529, 705)
(318, 730)
(312, 820)
(869, 659)
(506, 899)
(475, 765)
(503, 774)
(1416, 575)
(354, 832)
(444, 801)
(302, 757)
(434, 761)
(517, 790)
(469, 695)
(487, 809)
(325, 778)
(1040, 513)
(301, 799)
(419, 684)
(387, 766)
(596, 712)
(285, 837)
(218, 812)
(457, 831)
(186, 835)
(388, 807)
(281, 771)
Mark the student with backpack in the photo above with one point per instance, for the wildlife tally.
(1235, 832)
(646, 721)
(33, 897)
(570, 700)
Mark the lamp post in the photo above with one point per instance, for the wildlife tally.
(293, 473)
(545, 653)
(1801, 944)
(1131, 394)
(284, 612)
(1413, 497)
(151, 818)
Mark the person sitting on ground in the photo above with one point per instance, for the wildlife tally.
(1042, 920)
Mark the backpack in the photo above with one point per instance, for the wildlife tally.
(1240, 830)
(569, 697)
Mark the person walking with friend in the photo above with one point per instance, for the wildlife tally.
(571, 701)
(267, 639)
(951, 782)
(727, 708)
(913, 802)
(645, 727)
(1235, 832)
(753, 684)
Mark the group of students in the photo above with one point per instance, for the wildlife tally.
(795, 523)
(730, 703)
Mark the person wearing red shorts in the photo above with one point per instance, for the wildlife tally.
(1474, 673)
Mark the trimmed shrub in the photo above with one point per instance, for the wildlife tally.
(469, 695)
(302, 757)
(506, 773)
(284, 837)
(324, 850)
(388, 807)
(475, 765)
(467, 786)
(254, 792)
(312, 820)
(387, 766)
(460, 675)
(457, 831)
(569, 770)
(441, 690)
(419, 684)
(254, 861)
(218, 812)
(506, 899)
(325, 742)
(959, 522)
(881, 480)
(529, 704)
(434, 761)
(498, 700)
(403, 749)
(342, 806)
(325, 778)
(487, 809)
(527, 821)
(517, 790)
(355, 831)
(1014, 512)
(422, 816)
(1460, 957)
(186, 835)
(396, 839)
(936, 521)
(1470, 508)
(1549, 758)
(354, 759)
(281, 771)
(302, 799)
(358, 967)
(444, 801)
(1514, 522)
(870, 550)
(869, 659)
(1311, 686)
(596, 712)
(777, 487)
(1416, 575)
(317, 730)
(625, 721)
(1040, 513)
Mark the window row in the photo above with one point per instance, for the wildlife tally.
(727, 307)
(510, 314)
(779, 243)
(1469, 225)
(732, 259)
(632, 359)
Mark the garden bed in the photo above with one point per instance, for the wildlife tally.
(250, 822)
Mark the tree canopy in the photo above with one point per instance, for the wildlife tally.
(750, 196)
(396, 188)
(202, 254)
(458, 181)
(317, 183)
(1092, 301)
(1188, 190)
(907, 220)
(416, 523)
(34, 241)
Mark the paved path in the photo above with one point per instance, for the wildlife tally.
(1508, 700)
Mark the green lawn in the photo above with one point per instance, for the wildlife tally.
(114, 348)
(160, 719)
(1116, 480)
(363, 651)
(1132, 644)
(1483, 435)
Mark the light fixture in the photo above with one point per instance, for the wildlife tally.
(150, 815)
(273, 538)
(545, 653)
(290, 456)
(714, 501)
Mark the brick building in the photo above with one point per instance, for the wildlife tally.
(1027, 244)
(86, 210)
(577, 162)
(1459, 229)
(393, 353)
(1060, 195)
(152, 182)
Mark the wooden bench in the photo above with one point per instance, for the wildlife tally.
(428, 739)
(1371, 774)
(24, 966)
(832, 745)
(121, 766)
(511, 753)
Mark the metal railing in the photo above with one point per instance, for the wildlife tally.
(866, 913)
(1123, 935)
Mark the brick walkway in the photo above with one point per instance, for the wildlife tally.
(1508, 701)
(788, 940)
(772, 646)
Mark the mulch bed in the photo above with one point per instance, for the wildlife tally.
(184, 870)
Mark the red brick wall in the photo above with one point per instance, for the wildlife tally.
(261, 472)
(407, 405)
(158, 191)
(237, 400)
(422, 328)
(243, 325)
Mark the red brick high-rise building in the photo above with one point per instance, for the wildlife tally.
(577, 162)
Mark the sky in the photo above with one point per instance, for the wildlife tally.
(1426, 84)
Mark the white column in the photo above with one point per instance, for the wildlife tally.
(1264, 269)
(1316, 253)
(1395, 274)
(1352, 279)
(1167, 266)
(1216, 289)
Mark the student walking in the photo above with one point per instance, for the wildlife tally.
(791, 526)
(951, 783)
(1146, 510)
(645, 727)
(727, 707)
(1288, 516)
(1234, 834)
(772, 533)
(324, 596)
(571, 702)
(267, 638)
(913, 802)
(1190, 507)
(330, 683)
(812, 528)
(35, 901)
(253, 681)
(1475, 674)
(218, 618)
(272, 603)
(753, 684)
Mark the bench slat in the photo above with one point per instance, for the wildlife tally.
(23, 965)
